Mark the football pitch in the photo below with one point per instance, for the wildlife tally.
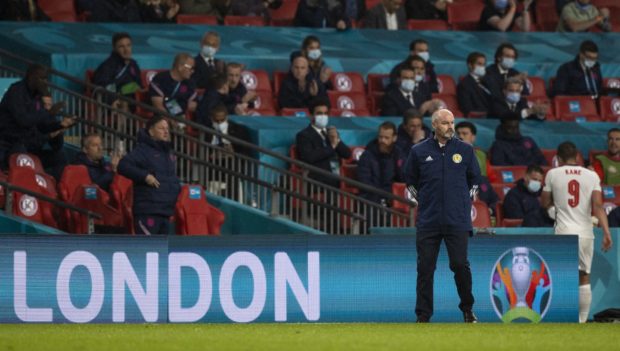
(349, 336)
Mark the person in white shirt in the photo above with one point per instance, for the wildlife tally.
(574, 194)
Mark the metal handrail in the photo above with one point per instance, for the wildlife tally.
(8, 203)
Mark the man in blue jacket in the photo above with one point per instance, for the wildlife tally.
(119, 73)
(152, 168)
(523, 201)
(510, 148)
(442, 174)
(101, 172)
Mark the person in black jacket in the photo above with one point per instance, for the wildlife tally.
(442, 174)
(411, 132)
(173, 91)
(523, 201)
(299, 87)
(513, 102)
(418, 47)
(502, 15)
(159, 11)
(389, 14)
(239, 99)
(101, 172)
(510, 148)
(323, 14)
(581, 76)
(318, 69)
(497, 73)
(152, 168)
(410, 92)
(207, 67)
(427, 9)
(115, 11)
(471, 92)
(212, 98)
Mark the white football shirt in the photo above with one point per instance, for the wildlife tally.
(571, 188)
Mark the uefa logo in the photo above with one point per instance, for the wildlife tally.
(521, 286)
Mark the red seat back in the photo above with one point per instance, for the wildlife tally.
(94, 199)
(285, 14)
(194, 215)
(612, 82)
(347, 100)
(253, 21)
(358, 112)
(28, 206)
(415, 24)
(147, 76)
(59, 10)
(197, 19)
(121, 191)
(348, 82)
(26, 160)
(349, 171)
(576, 108)
(536, 86)
(480, 216)
(509, 174)
(610, 108)
(377, 83)
(446, 85)
(546, 17)
(501, 189)
(450, 103)
(464, 15)
(278, 78)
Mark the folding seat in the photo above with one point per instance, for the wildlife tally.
(45, 181)
(372, 3)
(197, 19)
(450, 102)
(414, 24)
(464, 15)
(446, 85)
(194, 215)
(348, 82)
(377, 83)
(248, 21)
(358, 112)
(121, 192)
(501, 189)
(347, 100)
(400, 190)
(546, 17)
(576, 108)
(509, 174)
(611, 194)
(480, 216)
(59, 10)
(536, 87)
(28, 206)
(285, 14)
(257, 80)
(610, 108)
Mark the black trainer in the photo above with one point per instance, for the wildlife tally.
(423, 319)
(469, 317)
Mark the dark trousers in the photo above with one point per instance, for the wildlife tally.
(151, 225)
(427, 245)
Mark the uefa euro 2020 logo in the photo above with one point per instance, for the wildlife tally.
(521, 286)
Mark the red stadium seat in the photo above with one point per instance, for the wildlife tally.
(297, 112)
(610, 108)
(250, 21)
(268, 112)
(400, 189)
(576, 108)
(546, 17)
(414, 24)
(278, 78)
(59, 10)
(377, 82)
(3, 178)
(611, 83)
(464, 15)
(611, 194)
(446, 85)
(26, 160)
(511, 222)
(348, 82)
(450, 103)
(285, 14)
(257, 80)
(194, 215)
(147, 76)
(121, 191)
(509, 174)
(349, 171)
(501, 189)
(27, 206)
(593, 153)
(347, 100)
(334, 112)
(480, 216)
(536, 86)
(375, 103)
(264, 100)
(552, 160)
(197, 19)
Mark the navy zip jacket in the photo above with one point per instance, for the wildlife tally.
(571, 79)
(151, 157)
(443, 180)
(114, 70)
(379, 170)
(519, 150)
(100, 172)
(520, 203)
(404, 143)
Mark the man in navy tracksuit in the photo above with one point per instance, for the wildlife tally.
(442, 174)
(152, 168)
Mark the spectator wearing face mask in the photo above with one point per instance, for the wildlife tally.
(497, 73)
(582, 16)
(510, 148)
(512, 101)
(418, 47)
(207, 66)
(299, 87)
(318, 69)
(410, 92)
(502, 15)
(523, 201)
(581, 76)
(472, 93)
(211, 99)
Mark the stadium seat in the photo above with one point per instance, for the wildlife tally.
(248, 21)
(27, 206)
(576, 108)
(349, 171)
(400, 189)
(59, 10)
(372, 3)
(509, 174)
(257, 80)
(278, 78)
(194, 215)
(147, 76)
(264, 100)
(501, 189)
(377, 83)
(197, 19)
(611, 83)
(44, 180)
(360, 112)
(450, 103)
(296, 112)
(480, 216)
(610, 108)
(414, 24)
(511, 222)
(446, 85)
(285, 14)
(121, 191)
(611, 194)
(464, 15)
(552, 160)
(348, 82)
(546, 17)
(536, 87)
(347, 100)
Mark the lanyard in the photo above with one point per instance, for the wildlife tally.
(174, 92)
(120, 74)
(588, 76)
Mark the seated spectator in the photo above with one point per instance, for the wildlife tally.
(607, 165)
(173, 91)
(221, 123)
(614, 218)
(152, 168)
(427, 9)
(513, 102)
(418, 47)
(211, 99)
(115, 11)
(159, 11)
(239, 99)
(119, 73)
(496, 74)
(410, 92)
(258, 8)
(299, 87)
(26, 126)
(472, 93)
(323, 14)
(22, 10)
(207, 66)
(467, 131)
(411, 132)
(502, 15)
(582, 16)
(523, 201)
(320, 145)
(581, 76)
(389, 14)
(311, 50)
(381, 163)
(510, 148)
(101, 172)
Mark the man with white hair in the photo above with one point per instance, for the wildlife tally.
(442, 173)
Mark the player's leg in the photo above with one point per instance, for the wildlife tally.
(586, 252)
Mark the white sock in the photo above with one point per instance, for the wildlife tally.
(585, 299)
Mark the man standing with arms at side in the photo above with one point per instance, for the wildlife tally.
(442, 174)
(574, 194)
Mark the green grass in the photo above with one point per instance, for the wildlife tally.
(458, 337)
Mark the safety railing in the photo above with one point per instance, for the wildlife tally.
(234, 170)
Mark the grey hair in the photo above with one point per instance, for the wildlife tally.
(513, 80)
(435, 116)
(211, 33)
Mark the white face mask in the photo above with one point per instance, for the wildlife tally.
(513, 98)
(407, 85)
(480, 71)
(208, 51)
(534, 186)
(314, 54)
(419, 78)
(589, 63)
(424, 55)
(221, 127)
(508, 62)
(320, 121)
